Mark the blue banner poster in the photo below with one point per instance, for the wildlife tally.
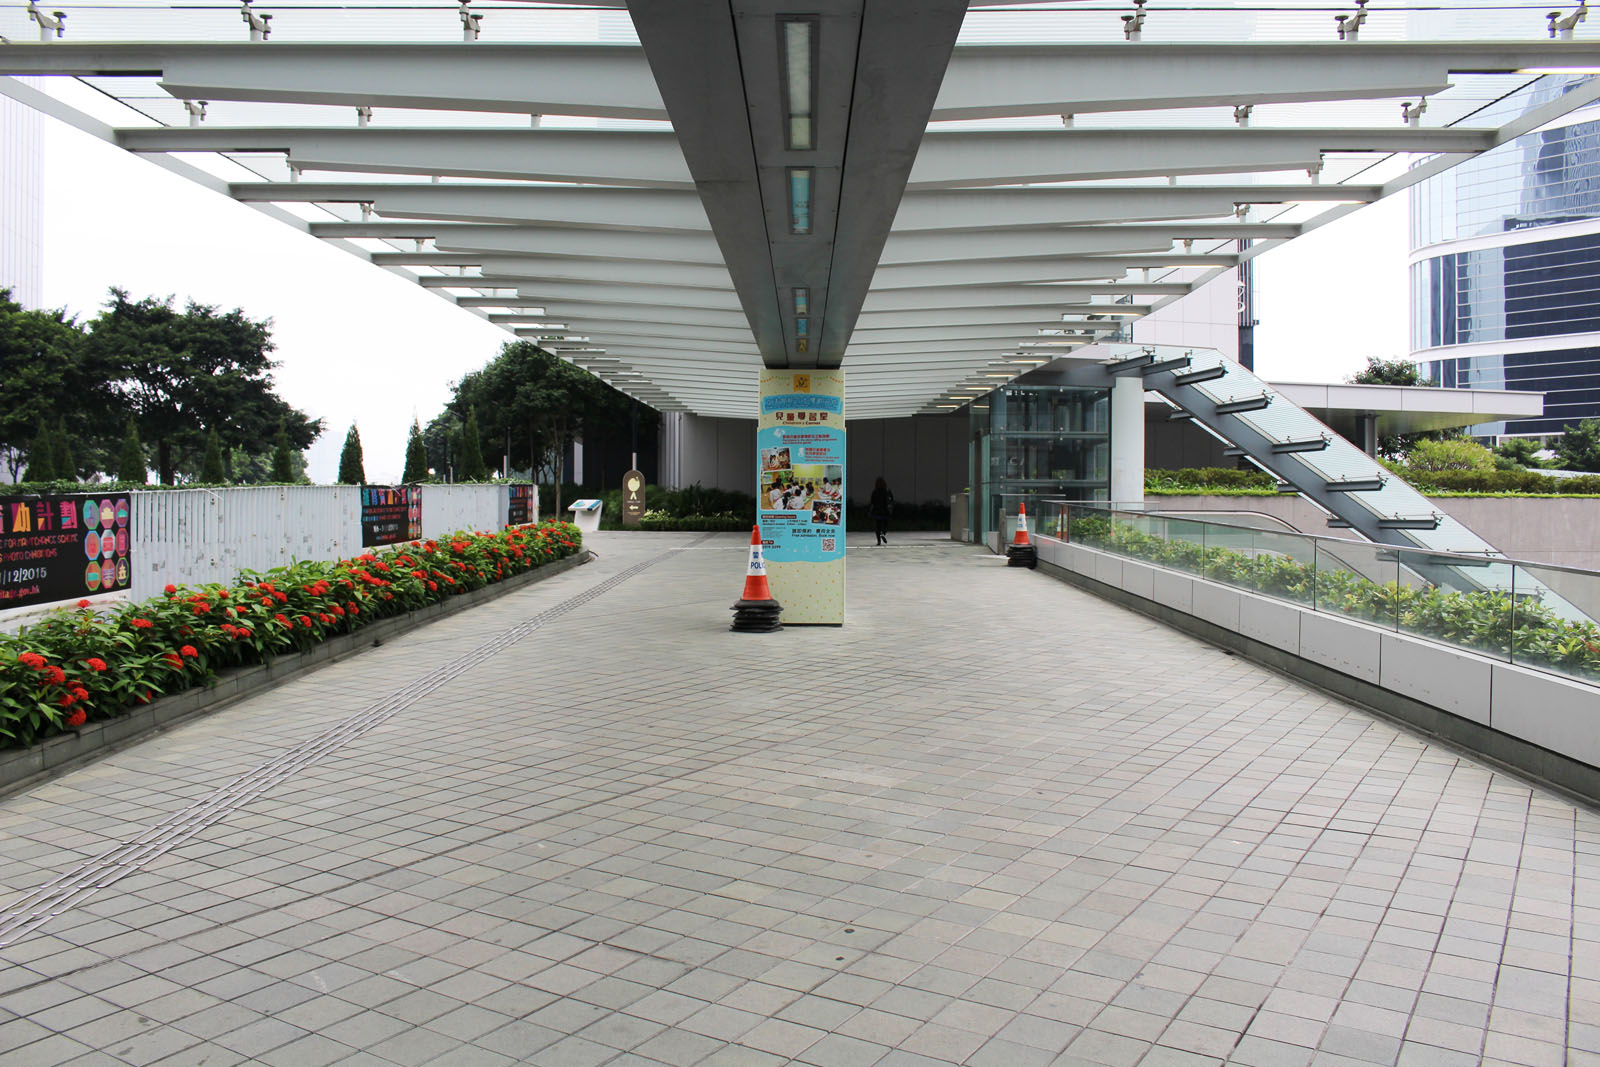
(800, 464)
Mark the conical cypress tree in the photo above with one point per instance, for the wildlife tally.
(416, 456)
(41, 456)
(211, 468)
(282, 458)
(130, 464)
(66, 464)
(351, 469)
(470, 467)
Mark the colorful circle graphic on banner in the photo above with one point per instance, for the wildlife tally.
(122, 513)
(108, 544)
(91, 576)
(122, 542)
(108, 514)
(91, 544)
(122, 572)
(91, 514)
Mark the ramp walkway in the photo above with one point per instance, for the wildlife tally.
(992, 821)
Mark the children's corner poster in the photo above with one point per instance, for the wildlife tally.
(800, 464)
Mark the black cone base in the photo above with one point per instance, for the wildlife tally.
(756, 617)
(1022, 556)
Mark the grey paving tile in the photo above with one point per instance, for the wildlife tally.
(647, 860)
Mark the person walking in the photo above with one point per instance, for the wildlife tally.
(880, 507)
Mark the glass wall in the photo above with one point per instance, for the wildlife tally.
(1569, 378)
(1534, 180)
(1542, 289)
(1035, 442)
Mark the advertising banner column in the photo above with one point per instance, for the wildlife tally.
(800, 492)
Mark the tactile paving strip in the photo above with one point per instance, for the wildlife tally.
(73, 887)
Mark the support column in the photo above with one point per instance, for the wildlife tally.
(1367, 433)
(800, 492)
(1127, 440)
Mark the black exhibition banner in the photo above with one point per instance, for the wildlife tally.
(519, 511)
(390, 514)
(67, 547)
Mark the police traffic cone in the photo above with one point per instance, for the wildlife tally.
(1022, 552)
(756, 612)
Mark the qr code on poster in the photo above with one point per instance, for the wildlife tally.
(827, 544)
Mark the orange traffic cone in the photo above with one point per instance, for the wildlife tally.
(1021, 552)
(756, 612)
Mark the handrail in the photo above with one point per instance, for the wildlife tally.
(1518, 612)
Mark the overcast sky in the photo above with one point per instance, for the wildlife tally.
(358, 344)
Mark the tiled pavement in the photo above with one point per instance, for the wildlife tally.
(992, 821)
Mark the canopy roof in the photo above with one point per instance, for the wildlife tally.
(676, 194)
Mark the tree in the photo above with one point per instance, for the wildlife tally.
(1450, 454)
(41, 456)
(178, 371)
(1578, 447)
(130, 462)
(212, 471)
(63, 461)
(1521, 451)
(351, 470)
(471, 466)
(1389, 372)
(282, 459)
(416, 456)
(40, 353)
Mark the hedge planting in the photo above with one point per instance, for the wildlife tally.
(1227, 481)
(80, 664)
(1484, 620)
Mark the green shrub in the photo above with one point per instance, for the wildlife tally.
(1486, 620)
(1449, 454)
(1220, 481)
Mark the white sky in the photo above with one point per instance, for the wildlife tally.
(359, 344)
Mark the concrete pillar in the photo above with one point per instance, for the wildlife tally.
(1367, 433)
(1127, 440)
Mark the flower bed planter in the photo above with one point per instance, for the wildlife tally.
(111, 726)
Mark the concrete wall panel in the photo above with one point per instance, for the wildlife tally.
(1271, 622)
(1560, 715)
(1217, 604)
(1138, 579)
(1340, 644)
(1434, 675)
(1174, 590)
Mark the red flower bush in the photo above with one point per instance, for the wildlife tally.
(120, 657)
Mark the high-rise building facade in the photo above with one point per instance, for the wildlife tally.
(1505, 265)
(21, 203)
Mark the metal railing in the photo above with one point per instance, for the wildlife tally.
(1538, 615)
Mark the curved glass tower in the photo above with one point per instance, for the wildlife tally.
(1505, 265)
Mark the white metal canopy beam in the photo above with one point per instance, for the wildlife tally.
(995, 209)
(992, 81)
(648, 158)
(997, 272)
(628, 262)
(597, 206)
(1010, 157)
